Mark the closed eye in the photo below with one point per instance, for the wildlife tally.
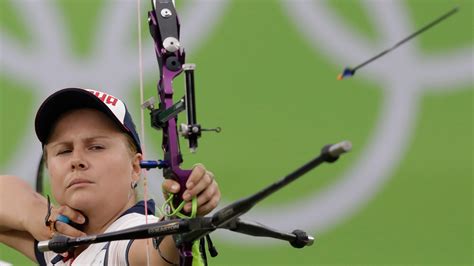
(96, 147)
(64, 151)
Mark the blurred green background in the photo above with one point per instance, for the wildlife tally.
(273, 92)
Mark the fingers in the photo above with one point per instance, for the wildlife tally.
(202, 184)
(169, 186)
(203, 197)
(68, 230)
(198, 181)
(208, 207)
(207, 200)
(74, 216)
(196, 175)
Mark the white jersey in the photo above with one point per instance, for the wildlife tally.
(109, 253)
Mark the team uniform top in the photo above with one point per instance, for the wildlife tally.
(109, 253)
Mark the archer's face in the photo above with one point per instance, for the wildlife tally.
(89, 162)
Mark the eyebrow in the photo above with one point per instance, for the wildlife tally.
(89, 139)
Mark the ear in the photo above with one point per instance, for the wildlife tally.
(136, 169)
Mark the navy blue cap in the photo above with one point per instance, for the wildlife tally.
(75, 98)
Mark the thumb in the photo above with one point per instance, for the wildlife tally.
(170, 186)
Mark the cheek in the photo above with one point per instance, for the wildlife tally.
(118, 183)
(119, 170)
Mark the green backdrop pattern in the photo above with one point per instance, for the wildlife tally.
(273, 94)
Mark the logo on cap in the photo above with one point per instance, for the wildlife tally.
(106, 98)
(113, 103)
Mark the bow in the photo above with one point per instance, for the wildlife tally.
(165, 31)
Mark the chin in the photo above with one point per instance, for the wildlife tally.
(83, 200)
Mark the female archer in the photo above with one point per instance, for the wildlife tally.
(92, 153)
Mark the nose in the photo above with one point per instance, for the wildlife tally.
(78, 161)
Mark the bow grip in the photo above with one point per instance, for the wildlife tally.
(181, 176)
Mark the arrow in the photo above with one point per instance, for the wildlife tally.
(349, 72)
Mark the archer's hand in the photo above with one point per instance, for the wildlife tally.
(73, 215)
(35, 223)
(201, 183)
(38, 229)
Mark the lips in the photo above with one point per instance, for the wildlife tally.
(78, 181)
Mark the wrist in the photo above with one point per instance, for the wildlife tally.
(33, 220)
